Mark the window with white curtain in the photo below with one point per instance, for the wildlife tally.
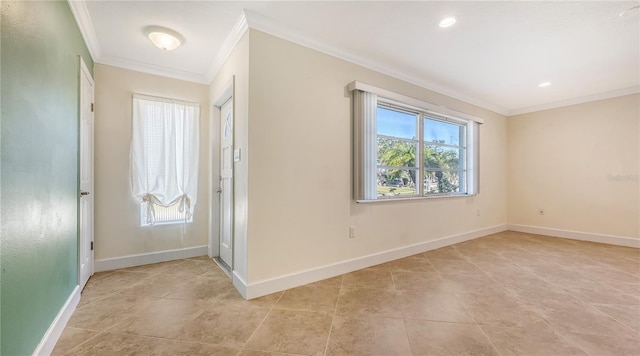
(164, 158)
(405, 148)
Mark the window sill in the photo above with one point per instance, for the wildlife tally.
(391, 200)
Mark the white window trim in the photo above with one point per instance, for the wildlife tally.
(365, 102)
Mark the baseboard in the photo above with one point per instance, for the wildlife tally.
(109, 264)
(261, 288)
(241, 285)
(577, 235)
(50, 338)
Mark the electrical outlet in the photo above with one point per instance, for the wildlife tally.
(540, 211)
(478, 212)
(352, 232)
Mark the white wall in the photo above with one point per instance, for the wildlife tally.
(235, 68)
(117, 213)
(580, 164)
(300, 200)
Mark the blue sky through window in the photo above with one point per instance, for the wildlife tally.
(442, 132)
(396, 123)
(400, 124)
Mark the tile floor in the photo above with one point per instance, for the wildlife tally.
(505, 294)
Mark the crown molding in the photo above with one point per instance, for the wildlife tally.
(153, 69)
(575, 101)
(235, 35)
(83, 19)
(249, 19)
(266, 25)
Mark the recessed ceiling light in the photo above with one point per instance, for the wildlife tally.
(544, 84)
(630, 11)
(164, 38)
(447, 22)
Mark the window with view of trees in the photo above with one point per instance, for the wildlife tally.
(406, 151)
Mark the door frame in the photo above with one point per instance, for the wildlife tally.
(214, 170)
(84, 70)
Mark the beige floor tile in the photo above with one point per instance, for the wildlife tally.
(70, 338)
(627, 344)
(372, 336)
(447, 253)
(225, 324)
(192, 267)
(601, 273)
(454, 266)
(629, 288)
(108, 311)
(165, 318)
(373, 277)
(88, 297)
(576, 317)
(532, 287)
(267, 301)
(112, 282)
(360, 302)
(154, 268)
(419, 281)
(412, 264)
(498, 309)
(436, 306)
(514, 285)
(298, 332)
(110, 344)
(202, 288)
(594, 292)
(176, 347)
(310, 298)
(158, 285)
(470, 283)
(440, 338)
(628, 315)
(536, 340)
(250, 352)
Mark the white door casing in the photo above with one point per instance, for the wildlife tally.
(226, 183)
(85, 243)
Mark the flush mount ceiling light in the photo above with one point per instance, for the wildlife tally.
(630, 11)
(447, 22)
(544, 84)
(164, 38)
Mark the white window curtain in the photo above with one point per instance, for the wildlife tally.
(164, 153)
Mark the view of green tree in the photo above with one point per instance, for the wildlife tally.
(399, 154)
(442, 167)
(448, 164)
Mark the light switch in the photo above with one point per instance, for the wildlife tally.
(236, 155)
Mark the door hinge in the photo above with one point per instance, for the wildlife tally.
(91, 107)
(91, 245)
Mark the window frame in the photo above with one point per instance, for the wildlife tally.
(367, 100)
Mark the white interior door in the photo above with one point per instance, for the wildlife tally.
(86, 176)
(226, 182)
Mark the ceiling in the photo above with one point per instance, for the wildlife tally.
(494, 56)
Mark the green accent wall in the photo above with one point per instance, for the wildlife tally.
(38, 167)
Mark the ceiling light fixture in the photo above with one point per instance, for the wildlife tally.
(544, 84)
(630, 11)
(164, 38)
(447, 22)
